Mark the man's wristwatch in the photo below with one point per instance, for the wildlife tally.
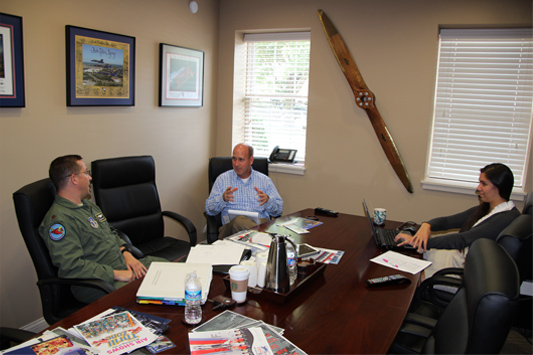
(125, 249)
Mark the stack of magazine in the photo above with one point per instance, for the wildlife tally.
(115, 331)
(232, 333)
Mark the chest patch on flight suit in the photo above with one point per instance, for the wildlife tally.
(57, 231)
(93, 223)
(100, 217)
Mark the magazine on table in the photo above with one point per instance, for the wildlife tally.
(59, 345)
(300, 225)
(50, 343)
(116, 334)
(228, 320)
(231, 320)
(230, 341)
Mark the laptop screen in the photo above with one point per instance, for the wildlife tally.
(370, 222)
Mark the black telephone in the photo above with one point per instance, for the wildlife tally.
(283, 155)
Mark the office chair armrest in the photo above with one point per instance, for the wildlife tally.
(420, 320)
(93, 283)
(416, 330)
(133, 249)
(14, 335)
(185, 222)
(431, 289)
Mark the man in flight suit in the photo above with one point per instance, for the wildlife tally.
(81, 242)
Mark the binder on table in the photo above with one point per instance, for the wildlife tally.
(164, 283)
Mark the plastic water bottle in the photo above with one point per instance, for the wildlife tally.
(193, 297)
(291, 263)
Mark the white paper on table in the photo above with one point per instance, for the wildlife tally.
(401, 262)
(226, 254)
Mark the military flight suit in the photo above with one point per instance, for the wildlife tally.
(82, 244)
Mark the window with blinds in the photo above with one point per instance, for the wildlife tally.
(483, 104)
(276, 91)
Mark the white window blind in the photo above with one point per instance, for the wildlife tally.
(276, 91)
(483, 104)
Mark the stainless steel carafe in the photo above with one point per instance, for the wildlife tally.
(277, 270)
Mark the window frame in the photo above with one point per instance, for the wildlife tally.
(239, 93)
(464, 187)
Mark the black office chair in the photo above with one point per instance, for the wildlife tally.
(479, 317)
(31, 204)
(528, 205)
(125, 190)
(217, 166)
(12, 336)
(430, 300)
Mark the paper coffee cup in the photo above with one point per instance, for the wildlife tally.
(252, 278)
(238, 278)
(261, 273)
(261, 257)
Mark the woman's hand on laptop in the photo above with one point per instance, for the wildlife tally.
(404, 239)
(419, 241)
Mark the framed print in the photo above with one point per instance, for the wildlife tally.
(100, 68)
(11, 62)
(181, 76)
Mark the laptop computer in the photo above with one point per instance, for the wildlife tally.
(384, 237)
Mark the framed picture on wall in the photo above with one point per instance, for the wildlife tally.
(181, 76)
(11, 62)
(100, 68)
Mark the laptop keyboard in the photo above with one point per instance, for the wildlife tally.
(387, 236)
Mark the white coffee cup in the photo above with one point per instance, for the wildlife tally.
(261, 273)
(238, 278)
(380, 215)
(251, 266)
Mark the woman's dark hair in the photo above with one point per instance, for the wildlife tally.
(61, 168)
(500, 176)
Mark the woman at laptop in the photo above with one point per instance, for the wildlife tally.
(487, 220)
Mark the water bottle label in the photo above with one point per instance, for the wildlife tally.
(193, 295)
(291, 261)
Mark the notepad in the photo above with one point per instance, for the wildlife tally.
(165, 282)
(234, 213)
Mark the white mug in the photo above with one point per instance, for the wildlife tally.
(380, 215)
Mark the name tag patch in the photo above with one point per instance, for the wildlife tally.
(100, 217)
(57, 231)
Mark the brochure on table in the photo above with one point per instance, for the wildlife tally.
(117, 334)
(229, 320)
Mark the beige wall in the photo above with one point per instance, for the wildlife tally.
(394, 44)
(180, 139)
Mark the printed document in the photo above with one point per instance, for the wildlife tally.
(401, 262)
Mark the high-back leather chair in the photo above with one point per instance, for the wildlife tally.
(528, 205)
(480, 315)
(516, 240)
(31, 204)
(125, 190)
(217, 166)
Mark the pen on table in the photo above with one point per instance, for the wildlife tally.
(388, 262)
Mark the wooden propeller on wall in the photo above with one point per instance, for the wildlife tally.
(364, 98)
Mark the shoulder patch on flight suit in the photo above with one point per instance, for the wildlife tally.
(93, 223)
(57, 231)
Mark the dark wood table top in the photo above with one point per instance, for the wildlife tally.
(333, 314)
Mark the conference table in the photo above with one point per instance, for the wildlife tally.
(334, 313)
